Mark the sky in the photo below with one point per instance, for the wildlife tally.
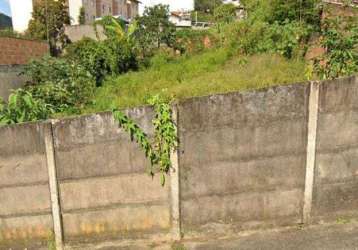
(4, 7)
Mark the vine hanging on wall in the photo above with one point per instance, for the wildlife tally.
(164, 142)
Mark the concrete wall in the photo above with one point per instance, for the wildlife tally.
(256, 159)
(242, 158)
(336, 172)
(25, 208)
(10, 79)
(78, 32)
(104, 189)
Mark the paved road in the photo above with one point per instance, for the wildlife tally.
(331, 237)
(322, 237)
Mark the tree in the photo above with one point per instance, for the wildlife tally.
(283, 11)
(207, 5)
(82, 16)
(48, 22)
(154, 28)
(225, 13)
(340, 41)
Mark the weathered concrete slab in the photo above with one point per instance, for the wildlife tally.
(104, 189)
(241, 177)
(252, 108)
(23, 169)
(339, 94)
(237, 209)
(101, 192)
(337, 130)
(332, 201)
(339, 166)
(243, 143)
(22, 154)
(26, 227)
(336, 182)
(120, 222)
(24, 200)
(242, 158)
(92, 146)
(25, 210)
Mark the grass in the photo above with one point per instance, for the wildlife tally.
(217, 71)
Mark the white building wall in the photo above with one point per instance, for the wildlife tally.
(174, 5)
(74, 9)
(21, 13)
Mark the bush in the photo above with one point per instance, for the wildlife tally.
(248, 37)
(123, 55)
(59, 83)
(193, 41)
(92, 55)
(340, 40)
(225, 13)
(101, 58)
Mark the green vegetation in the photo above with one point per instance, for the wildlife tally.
(48, 23)
(149, 57)
(165, 137)
(22, 107)
(216, 71)
(341, 57)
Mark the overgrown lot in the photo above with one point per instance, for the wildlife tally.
(211, 72)
(151, 58)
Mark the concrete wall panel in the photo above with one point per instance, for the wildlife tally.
(93, 146)
(100, 192)
(104, 189)
(24, 200)
(119, 222)
(25, 209)
(242, 157)
(13, 229)
(336, 177)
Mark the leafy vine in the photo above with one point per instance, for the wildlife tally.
(164, 142)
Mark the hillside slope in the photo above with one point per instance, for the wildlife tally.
(208, 73)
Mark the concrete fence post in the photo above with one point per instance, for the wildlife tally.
(311, 149)
(174, 184)
(55, 205)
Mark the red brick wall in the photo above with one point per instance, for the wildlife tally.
(14, 51)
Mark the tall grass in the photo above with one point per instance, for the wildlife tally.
(216, 71)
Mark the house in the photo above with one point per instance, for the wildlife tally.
(95, 9)
(181, 19)
(240, 11)
(126, 9)
(174, 5)
(234, 2)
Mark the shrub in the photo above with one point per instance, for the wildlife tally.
(340, 41)
(248, 37)
(59, 83)
(94, 56)
(23, 107)
(101, 58)
(225, 13)
(123, 55)
(193, 41)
